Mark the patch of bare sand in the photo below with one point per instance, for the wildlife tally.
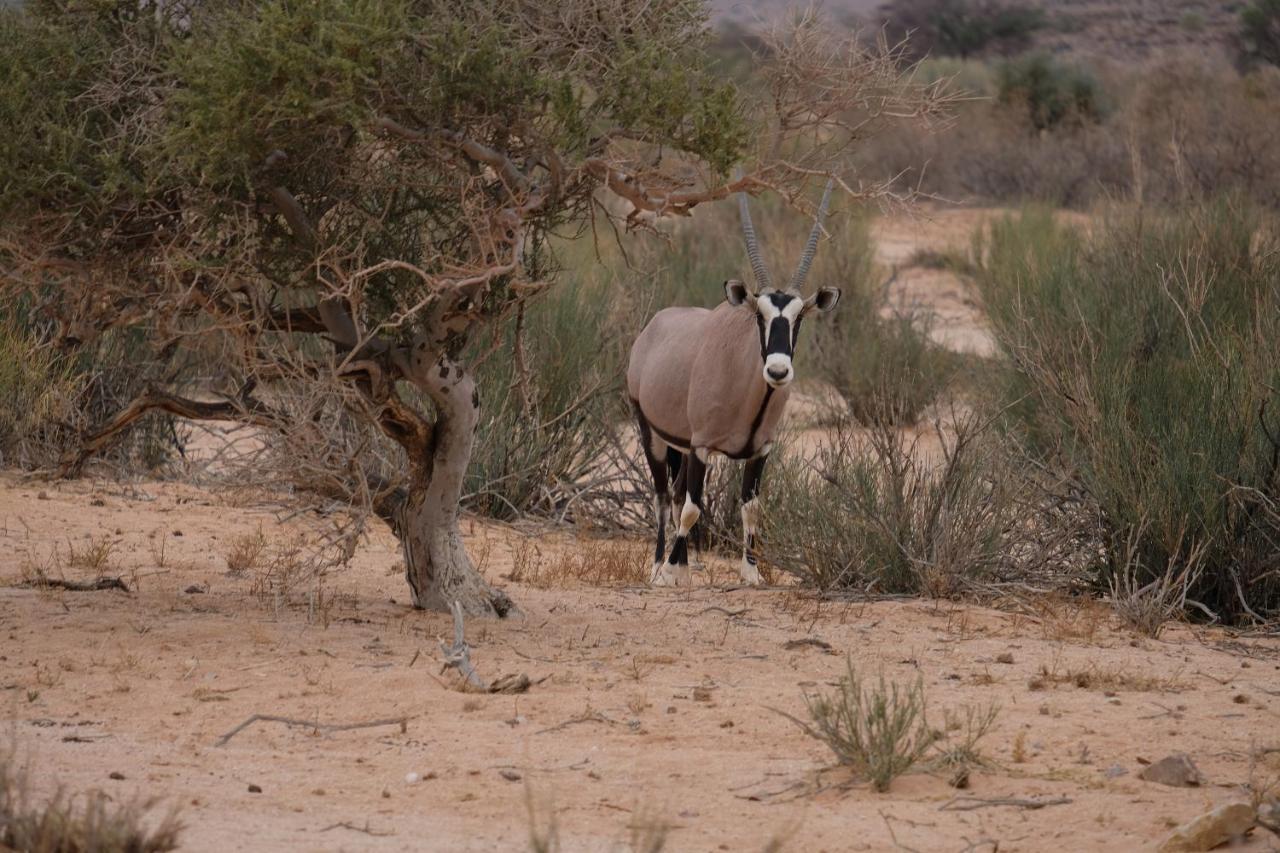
(144, 684)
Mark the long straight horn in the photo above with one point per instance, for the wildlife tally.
(811, 247)
(753, 248)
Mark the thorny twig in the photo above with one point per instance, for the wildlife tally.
(402, 722)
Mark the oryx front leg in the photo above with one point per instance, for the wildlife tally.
(751, 474)
(675, 572)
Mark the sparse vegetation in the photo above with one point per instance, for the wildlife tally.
(875, 511)
(84, 823)
(876, 728)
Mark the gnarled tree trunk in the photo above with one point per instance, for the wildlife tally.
(437, 567)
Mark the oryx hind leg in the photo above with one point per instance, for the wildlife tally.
(675, 572)
(752, 473)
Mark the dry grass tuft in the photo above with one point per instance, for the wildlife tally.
(1094, 677)
(76, 824)
(959, 752)
(245, 552)
(594, 562)
(93, 557)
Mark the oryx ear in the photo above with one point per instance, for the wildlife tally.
(735, 292)
(824, 300)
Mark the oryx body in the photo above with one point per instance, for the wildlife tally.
(715, 381)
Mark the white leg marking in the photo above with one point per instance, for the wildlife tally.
(689, 516)
(748, 570)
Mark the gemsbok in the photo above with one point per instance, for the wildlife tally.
(714, 381)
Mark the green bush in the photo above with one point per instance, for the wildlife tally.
(961, 28)
(1051, 92)
(876, 511)
(1260, 31)
(543, 429)
(1143, 364)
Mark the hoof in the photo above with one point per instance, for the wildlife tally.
(665, 574)
(749, 573)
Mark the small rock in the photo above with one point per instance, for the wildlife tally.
(194, 589)
(1240, 699)
(412, 778)
(115, 774)
(177, 533)
(510, 775)
(1115, 771)
(1177, 770)
(386, 795)
(1004, 657)
(671, 709)
(701, 694)
(727, 724)
(959, 778)
(42, 496)
(97, 502)
(255, 789)
(1211, 828)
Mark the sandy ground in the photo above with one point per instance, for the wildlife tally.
(656, 705)
(650, 706)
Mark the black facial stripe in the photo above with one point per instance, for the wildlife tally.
(795, 334)
(779, 337)
(760, 326)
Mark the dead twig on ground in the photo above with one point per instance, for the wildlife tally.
(96, 585)
(366, 829)
(968, 804)
(801, 642)
(587, 716)
(402, 722)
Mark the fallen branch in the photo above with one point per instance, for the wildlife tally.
(587, 716)
(97, 585)
(458, 656)
(402, 722)
(790, 645)
(351, 826)
(968, 804)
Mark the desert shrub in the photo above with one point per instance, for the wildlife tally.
(35, 385)
(551, 390)
(881, 512)
(877, 728)
(1142, 365)
(961, 27)
(54, 391)
(1052, 93)
(76, 824)
(1172, 130)
(1260, 31)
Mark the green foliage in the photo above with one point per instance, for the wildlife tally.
(877, 511)
(1052, 93)
(285, 76)
(962, 28)
(878, 728)
(1142, 363)
(530, 454)
(1260, 31)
